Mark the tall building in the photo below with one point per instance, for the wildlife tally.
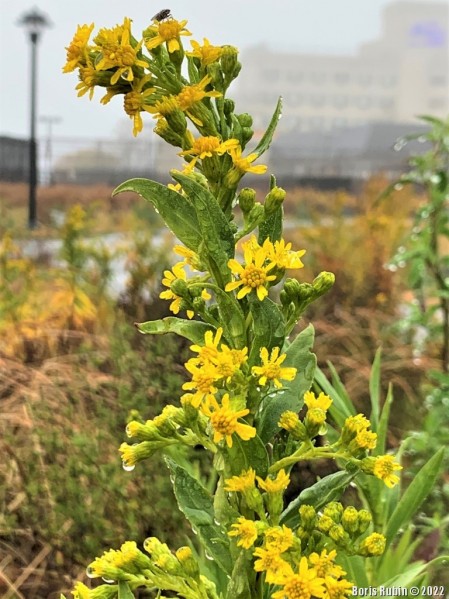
(402, 74)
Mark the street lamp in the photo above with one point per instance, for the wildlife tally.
(34, 22)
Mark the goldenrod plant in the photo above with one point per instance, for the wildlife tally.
(247, 402)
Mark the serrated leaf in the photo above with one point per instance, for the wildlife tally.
(177, 212)
(329, 488)
(265, 142)
(197, 504)
(192, 330)
(124, 592)
(299, 356)
(268, 327)
(415, 494)
(248, 454)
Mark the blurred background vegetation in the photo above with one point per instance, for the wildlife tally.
(73, 367)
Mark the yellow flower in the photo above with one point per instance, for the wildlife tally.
(254, 275)
(384, 468)
(206, 53)
(246, 530)
(279, 538)
(88, 80)
(301, 585)
(165, 106)
(206, 147)
(176, 273)
(324, 564)
(135, 102)
(192, 94)
(280, 253)
(337, 589)
(77, 50)
(275, 485)
(323, 402)
(271, 369)
(80, 591)
(167, 31)
(120, 54)
(209, 351)
(190, 257)
(288, 421)
(366, 439)
(224, 421)
(242, 164)
(270, 562)
(244, 482)
(203, 381)
(228, 361)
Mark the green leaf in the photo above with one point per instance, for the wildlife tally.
(248, 454)
(382, 428)
(329, 488)
(415, 494)
(271, 227)
(268, 327)
(232, 319)
(192, 330)
(342, 406)
(197, 505)
(124, 592)
(355, 570)
(217, 245)
(178, 213)
(242, 579)
(265, 142)
(374, 390)
(299, 356)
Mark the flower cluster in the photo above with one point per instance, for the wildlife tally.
(247, 400)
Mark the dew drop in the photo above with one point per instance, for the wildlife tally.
(398, 186)
(90, 572)
(401, 249)
(401, 264)
(127, 467)
(392, 267)
(108, 580)
(209, 557)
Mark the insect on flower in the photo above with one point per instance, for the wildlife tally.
(163, 14)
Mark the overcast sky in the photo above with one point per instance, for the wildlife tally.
(337, 26)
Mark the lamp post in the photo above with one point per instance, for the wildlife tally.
(34, 23)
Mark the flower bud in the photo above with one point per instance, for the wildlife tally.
(247, 199)
(372, 545)
(177, 121)
(229, 61)
(365, 520)
(228, 106)
(245, 119)
(290, 422)
(323, 282)
(349, 520)
(338, 534)
(188, 562)
(334, 510)
(274, 199)
(166, 132)
(180, 288)
(216, 74)
(308, 517)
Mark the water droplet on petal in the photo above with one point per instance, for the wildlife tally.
(127, 467)
(108, 580)
(90, 572)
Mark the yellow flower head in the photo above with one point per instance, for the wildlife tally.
(192, 94)
(254, 275)
(337, 589)
(366, 439)
(77, 50)
(384, 468)
(323, 402)
(88, 80)
(279, 538)
(228, 361)
(120, 54)
(275, 485)
(168, 31)
(224, 421)
(324, 565)
(135, 102)
(280, 253)
(207, 54)
(271, 369)
(80, 591)
(190, 257)
(271, 562)
(240, 484)
(176, 273)
(288, 421)
(206, 147)
(303, 584)
(243, 164)
(203, 382)
(209, 351)
(246, 530)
